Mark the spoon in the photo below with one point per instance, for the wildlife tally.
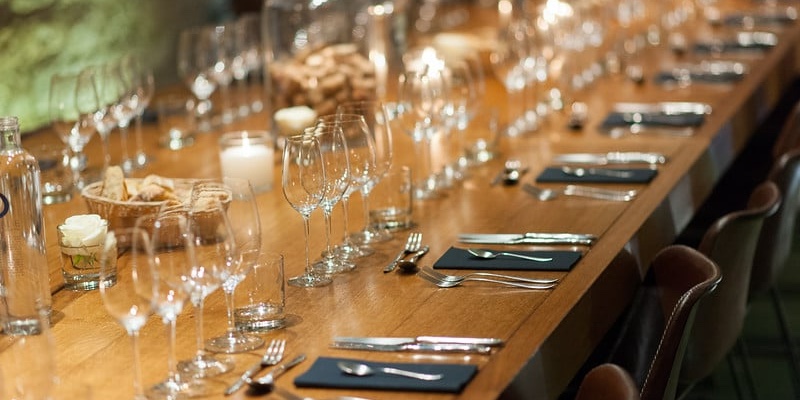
(482, 253)
(267, 383)
(410, 265)
(359, 369)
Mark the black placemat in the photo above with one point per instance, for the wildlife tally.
(615, 119)
(667, 77)
(325, 373)
(730, 46)
(637, 175)
(456, 258)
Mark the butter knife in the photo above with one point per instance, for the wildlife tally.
(614, 157)
(415, 347)
(395, 340)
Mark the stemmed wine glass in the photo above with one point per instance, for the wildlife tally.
(173, 250)
(196, 60)
(361, 157)
(214, 253)
(127, 258)
(72, 103)
(243, 216)
(124, 108)
(512, 64)
(337, 178)
(144, 87)
(420, 103)
(222, 45)
(303, 180)
(377, 120)
(104, 119)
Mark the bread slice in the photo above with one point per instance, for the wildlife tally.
(114, 184)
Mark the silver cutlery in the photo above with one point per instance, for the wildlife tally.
(456, 278)
(410, 264)
(581, 191)
(413, 244)
(527, 238)
(267, 382)
(272, 356)
(420, 347)
(665, 107)
(397, 340)
(488, 254)
(511, 172)
(613, 157)
(581, 172)
(448, 284)
(641, 129)
(360, 369)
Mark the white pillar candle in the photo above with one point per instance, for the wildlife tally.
(251, 158)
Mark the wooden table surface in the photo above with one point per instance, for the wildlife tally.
(548, 334)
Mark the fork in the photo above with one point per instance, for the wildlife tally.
(457, 278)
(413, 244)
(272, 356)
(448, 284)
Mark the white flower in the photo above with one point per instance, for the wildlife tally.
(83, 230)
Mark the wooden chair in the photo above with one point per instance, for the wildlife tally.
(731, 243)
(775, 245)
(654, 331)
(608, 382)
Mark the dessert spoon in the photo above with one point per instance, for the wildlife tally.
(358, 369)
(482, 253)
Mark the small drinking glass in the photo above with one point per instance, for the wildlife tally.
(127, 252)
(303, 181)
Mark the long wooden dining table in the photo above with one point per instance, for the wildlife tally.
(548, 334)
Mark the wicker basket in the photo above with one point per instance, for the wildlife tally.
(123, 214)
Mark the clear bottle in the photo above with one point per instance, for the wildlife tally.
(24, 277)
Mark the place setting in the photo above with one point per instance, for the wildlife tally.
(664, 118)
(708, 72)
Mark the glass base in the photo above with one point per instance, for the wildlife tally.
(205, 366)
(307, 280)
(371, 235)
(350, 251)
(330, 264)
(234, 342)
(174, 390)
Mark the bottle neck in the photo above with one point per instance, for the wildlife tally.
(9, 133)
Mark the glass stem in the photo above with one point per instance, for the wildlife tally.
(307, 234)
(172, 361)
(229, 306)
(137, 366)
(139, 156)
(365, 190)
(326, 212)
(123, 142)
(345, 218)
(105, 139)
(198, 314)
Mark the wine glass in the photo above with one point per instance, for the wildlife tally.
(72, 103)
(377, 120)
(337, 178)
(222, 47)
(126, 284)
(104, 118)
(214, 253)
(196, 61)
(511, 62)
(242, 213)
(303, 180)
(173, 251)
(420, 95)
(361, 157)
(124, 108)
(144, 87)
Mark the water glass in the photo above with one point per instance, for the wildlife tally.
(56, 175)
(391, 207)
(261, 296)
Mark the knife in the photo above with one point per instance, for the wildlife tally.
(280, 369)
(527, 238)
(667, 107)
(492, 342)
(614, 157)
(415, 347)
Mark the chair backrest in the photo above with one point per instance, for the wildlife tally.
(607, 382)
(731, 243)
(679, 276)
(775, 241)
(789, 136)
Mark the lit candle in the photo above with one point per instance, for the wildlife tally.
(248, 155)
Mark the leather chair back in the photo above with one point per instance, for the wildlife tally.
(789, 136)
(608, 382)
(775, 242)
(731, 243)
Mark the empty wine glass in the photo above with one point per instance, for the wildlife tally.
(512, 64)
(144, 87)
(104, 118)
(127, 254)
(125, 106)
(222, 45)
(377, 120)
(196, 59)
(173, 251)
(303, 180)
(333, 148)
(243, 216)
(214, 253)
(361, 157)
(72, 103)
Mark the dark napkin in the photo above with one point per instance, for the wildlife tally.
(615, 119)
(325, 373)
(666, 77)
(759, 19)
(730, 46)
(638, 175)
(455, 258)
